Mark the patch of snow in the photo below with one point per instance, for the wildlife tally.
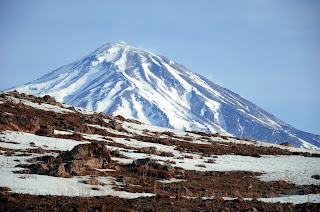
(85, 111)
(23, 139)
(296, 199)
(59, 132)
(172, 180)
(124, 109)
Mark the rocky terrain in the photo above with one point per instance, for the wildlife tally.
(57, 157)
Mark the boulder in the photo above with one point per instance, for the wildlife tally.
(60, 171)
(87, 152)
(149, 150)
(40, 168)
(141, 162)
(45, 131)
(115, 125)
(49, 99)
(81, 160)
(316, 176)
(126, 180)
(76, 167)
(287, 144)
(169, 169)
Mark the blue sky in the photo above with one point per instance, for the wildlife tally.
(268, 51)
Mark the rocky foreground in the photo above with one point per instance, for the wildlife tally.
(55, 157)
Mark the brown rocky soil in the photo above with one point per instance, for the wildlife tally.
(24, 202)
(28, 119)
(141, 175)
(145, 173)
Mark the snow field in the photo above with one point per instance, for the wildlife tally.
(292, 169)
(274, 167)
(48, 185)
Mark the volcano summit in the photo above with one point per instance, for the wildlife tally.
(123, 80)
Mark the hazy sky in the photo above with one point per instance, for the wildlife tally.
(268, 51)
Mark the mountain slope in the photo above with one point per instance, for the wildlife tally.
(72, 155)
(120, 79)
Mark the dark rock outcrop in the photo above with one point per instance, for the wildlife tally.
(50, 100)
(81, 160)
(287, 144)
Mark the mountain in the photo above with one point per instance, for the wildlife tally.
(123, 80)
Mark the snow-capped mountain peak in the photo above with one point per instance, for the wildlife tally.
(123, 80)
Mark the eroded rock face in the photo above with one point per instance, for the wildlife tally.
(81, 160)
(45, 131)
(49, 99)
(116, 126)
(88, 151)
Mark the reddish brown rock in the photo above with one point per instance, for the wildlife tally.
(81, 160)
(50, 100)
(88, 151)
(287, 144)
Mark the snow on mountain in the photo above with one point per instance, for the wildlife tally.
(123, 80)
